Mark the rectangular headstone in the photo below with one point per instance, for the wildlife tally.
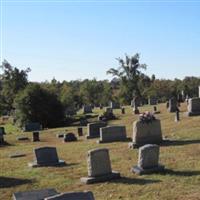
(194, 106)
(34, 195)
(172, 105)
(152, 101)
(147, 133)
(98, 162)
(32, 126)
(46, 155)
(93, 129)
(112, 133)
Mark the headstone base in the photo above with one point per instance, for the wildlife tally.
(141, 171)
(133, 145)
(58, 164)
(107, 177)
(116, 140)
(91, 137)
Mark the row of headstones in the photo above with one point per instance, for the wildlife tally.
(193, 107)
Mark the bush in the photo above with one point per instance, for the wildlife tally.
(35, 104)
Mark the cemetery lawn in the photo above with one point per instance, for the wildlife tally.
(181, 181)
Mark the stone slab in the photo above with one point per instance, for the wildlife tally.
(141, 171)
(72, 196)
(34, 164)
(35, 194)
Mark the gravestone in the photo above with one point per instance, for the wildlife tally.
(114, 105)
(172, 105)
(93, 129)
(32, 126)
(152, 101)
(112, 133)
(80, 131)
(193, 107)
(123, 110)
(2, 138)
(148, 160)
(87, 109)
(2, 130)
(72, 196)
(46, 156)
(177, 116)
(146, 133)
(36, 136)
(35, 194)
(69, 137)
(99, 167)
(108, 110)
(199, 91)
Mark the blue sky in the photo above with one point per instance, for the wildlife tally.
(77, 40)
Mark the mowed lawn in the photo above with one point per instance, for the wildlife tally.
(181, 181)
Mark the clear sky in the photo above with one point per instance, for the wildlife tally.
(76, 40)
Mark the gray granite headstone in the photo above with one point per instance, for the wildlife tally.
(146, 133)
(114, 105)
(34, 195)
(172, 105)
(46, 156)
(112, 133)
(99, 167)
(87, 109)
(152, 100)
(72, 196)
(32, 126)
(193, 107)
(148, 160)
(2, 130)
(93, 129)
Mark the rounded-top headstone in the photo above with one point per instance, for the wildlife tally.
(69, 137)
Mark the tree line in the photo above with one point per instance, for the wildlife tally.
(47, 102)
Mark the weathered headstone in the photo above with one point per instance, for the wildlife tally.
(152, 101)
(2, 130)
(72, 196)
(146, 133)
(114, 105)
(112, 133)
(123, 110)
(69, 137)
(99, 167)
(93, 129)
(177, 116)
(80, 131)
(36, 136)
(87, 109)
(199, 91)
(193, 107)
(35, 194)
(108, 110)
(148, 160)
(2, 138)
(46, 156)
(32, 126)
(172, 105)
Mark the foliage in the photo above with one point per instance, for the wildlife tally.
(13, 80)
(130, 75)
(35, 104)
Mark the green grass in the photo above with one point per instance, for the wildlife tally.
(182, 182)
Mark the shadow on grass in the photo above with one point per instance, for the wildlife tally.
(180, 173)
(134, 181)
(7, 182)
(179, 142)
